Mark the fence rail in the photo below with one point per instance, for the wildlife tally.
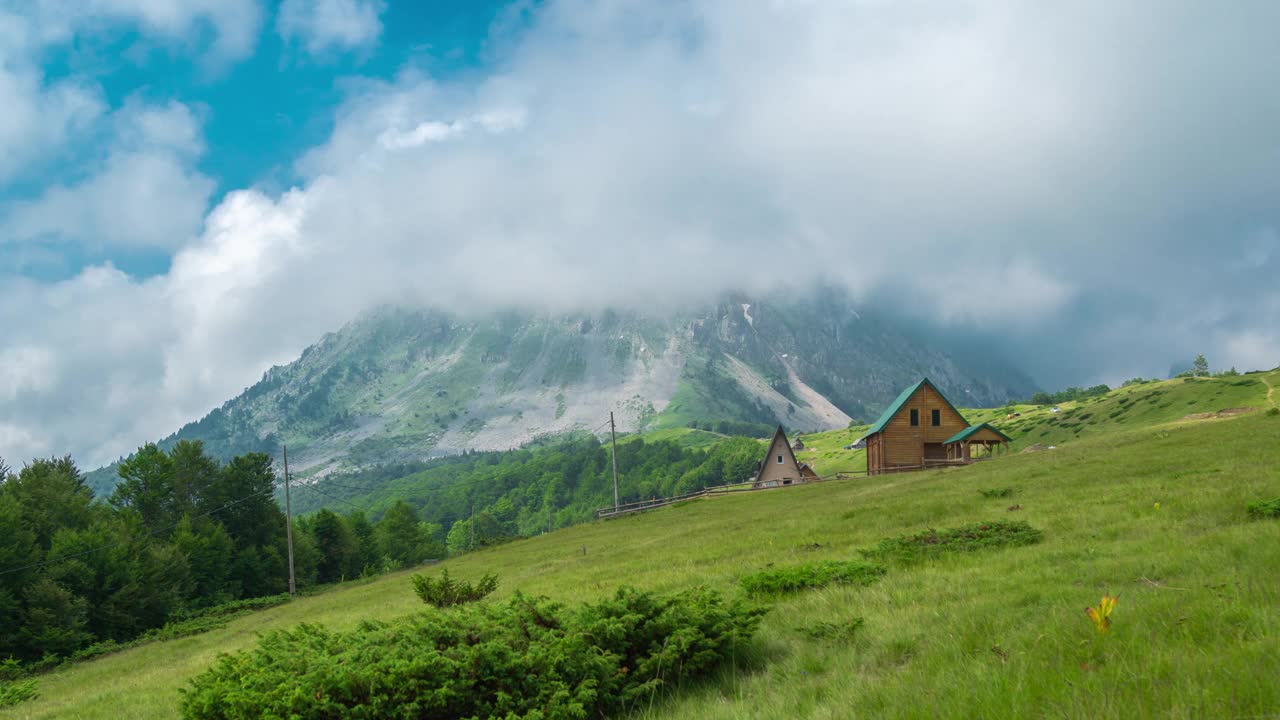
(653, 503)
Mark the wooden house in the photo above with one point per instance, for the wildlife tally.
(780, 466)
(921, 427)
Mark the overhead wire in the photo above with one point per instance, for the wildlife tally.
(157, 531)
(271, 490)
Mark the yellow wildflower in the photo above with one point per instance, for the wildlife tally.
(1101, 615)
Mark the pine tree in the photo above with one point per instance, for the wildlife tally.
(1200, 368)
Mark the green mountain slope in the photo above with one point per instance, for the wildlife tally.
(1154, 514)
(402, 385)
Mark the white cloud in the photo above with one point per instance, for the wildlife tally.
(234, 23)
(324, 26)
(38, 119)
(1084, 179)
(1257, 349)
(145, 193)
(26, 369)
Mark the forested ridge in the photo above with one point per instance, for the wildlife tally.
(183, 532)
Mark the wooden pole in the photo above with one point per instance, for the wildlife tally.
(288, 523)
(613, 433)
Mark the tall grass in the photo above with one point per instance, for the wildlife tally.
(992, 634)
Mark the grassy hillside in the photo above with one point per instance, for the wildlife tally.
(1146, 405)
(826, 454)
(684, 437)
(996, 633)
(1143, 405)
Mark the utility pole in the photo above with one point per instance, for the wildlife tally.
(613, 432)
(288, 523)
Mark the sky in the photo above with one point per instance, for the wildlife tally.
(192, 191)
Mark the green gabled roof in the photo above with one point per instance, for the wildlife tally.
(965, 433)
(895, 407)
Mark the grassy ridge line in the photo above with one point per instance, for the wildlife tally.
(1128, 408)
(990, 634)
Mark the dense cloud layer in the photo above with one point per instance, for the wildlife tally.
(1096, 187)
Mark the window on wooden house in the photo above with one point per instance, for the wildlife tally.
(779, 459)
(937, 418)
(915, 417)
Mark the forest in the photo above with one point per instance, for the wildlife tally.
(182, 532)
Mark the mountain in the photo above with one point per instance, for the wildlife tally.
(399, 385)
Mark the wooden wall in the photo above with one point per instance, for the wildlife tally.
(901, 444)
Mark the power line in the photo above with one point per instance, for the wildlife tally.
(331, 497)
(157, 531)
(330, 483)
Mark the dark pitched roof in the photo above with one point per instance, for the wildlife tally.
(895, 407)
(776, 434)
(965, 433)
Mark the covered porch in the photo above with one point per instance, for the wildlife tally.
(977, 442)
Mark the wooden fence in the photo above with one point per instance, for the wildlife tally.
(652, 503)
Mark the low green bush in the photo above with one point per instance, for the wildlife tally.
(526, 658)
(997, 493)
(794, 578)
(234, 608)
(1273, 411)
(967, 538)
(1265, 508)
(445, 591)
(184, 623)
(16, 691)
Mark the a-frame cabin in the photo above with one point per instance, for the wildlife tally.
(914, 428)
(780, 466)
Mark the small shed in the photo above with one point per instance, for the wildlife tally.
(798, 444)
(960, 446)
(780, 466)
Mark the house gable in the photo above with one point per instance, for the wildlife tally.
(771, 469)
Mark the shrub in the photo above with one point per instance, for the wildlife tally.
(811, 575)
(967, 538)
(446, 592)
(997, 493)
(1265, 508)
(1273, 411)
(527, 658)
(14, 692)
(184, 623)
(234, 608)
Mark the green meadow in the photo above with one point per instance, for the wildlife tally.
(1154, 512)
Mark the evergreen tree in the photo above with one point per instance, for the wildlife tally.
(209, 550)
(366, 541)
(1200, 368)
(146, 485)
(401, 538)
(194, 475)
(339, 552)
(52, 495)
